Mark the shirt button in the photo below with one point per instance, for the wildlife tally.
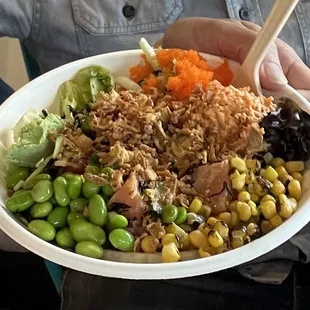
(128, 11)
(244, 14)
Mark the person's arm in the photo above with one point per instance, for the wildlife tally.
(16, 18)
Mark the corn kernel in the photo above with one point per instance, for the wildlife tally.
(234, 219)
(258, 189)
(286, 209)
(276, 162)
(238, 233)
(276, 221)
(176, 230)
(277, 188)
(297, 176)
(170, 253)
(202, 253)
(250, 177)
(238, 164)
(149, 244)
(253, 207)
(204, 228)
(233, 205)
(268, 197)
(255, 198)
(169, 238)
(237, 243)
(239, 181)
(250, 164)
(251, 229)
(205, 211)
(268, 157)
(198, 239)
(294, 189)
(222, 229)
(195, 206)
(293, 203)
(285, 179)
(211, 221)
(244, 196)
(184, 243)
(294, 166)
(215, 239)
(225, 217)
(269, 209)
(251, 189)
(281, 171)
(262, 172)
(244, 211)
(270, 174)
(221, 249)
(266, 227)
(234, 174)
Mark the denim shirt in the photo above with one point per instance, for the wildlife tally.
(59, 31)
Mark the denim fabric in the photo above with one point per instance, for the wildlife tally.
(5, 91)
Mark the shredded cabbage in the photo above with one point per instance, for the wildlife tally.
(127, 83)
(149, 53)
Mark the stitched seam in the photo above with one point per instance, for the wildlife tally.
(36, 18)
(258, 16)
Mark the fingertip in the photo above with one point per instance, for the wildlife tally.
(272, 76)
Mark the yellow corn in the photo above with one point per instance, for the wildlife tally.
(269, 209)
(258, 189)
(234, 219)
(297, 176)
(203, 253)
(251, 229)
(221, 249)
(225, 217)
(149, 244)
(244, 196)
(251, 189)
(276, 162)
(238, 164)
(195, 206)
(170, 253)
(211, 221)
(169, 238)
(250, 164)
(222, 229)
(268, 197)
(294, 166)
(265, 227)
(236, 243)
(233, 205)
(276, 221)
(234, 174)
(271, 174)
(286, 209)
(294, 189)
(285, 179)
(255, 198)
(205, 211)
(277, 188)
(176, 230)
(215, 239)
(184, 243)
(293, 203)
(281, 171)
(244, 211)
(253, 207)
(262, 172)
(250, 177)
(239, 181)
(238, 233)
(198, 239)
(204, 228)
(268, 157)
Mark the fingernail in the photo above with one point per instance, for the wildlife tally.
(274, 73)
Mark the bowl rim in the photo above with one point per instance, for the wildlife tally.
(149, 271)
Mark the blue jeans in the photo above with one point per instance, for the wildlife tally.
(5, 91)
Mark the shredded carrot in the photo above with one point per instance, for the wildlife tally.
(151, 82)
(223, 73)
(141, 71)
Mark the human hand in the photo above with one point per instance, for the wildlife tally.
(233, 39)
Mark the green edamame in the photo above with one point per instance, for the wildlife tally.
(82, 230)
(90, 189)
(90, 249)
(36, 179)
(182, 216)
(42, 191)
(17, 174)
(169, 214)
(64, 238)
(97, 211)
(107, 190)
(42, 229)
(20, 202)
(60, 191)
(93, 170)
(122, 240)
(41, 209)
(116, 221)
(78, 205)
(58, 217)
(73, 216)
(75, 184)
(108, 171)
(53, 201)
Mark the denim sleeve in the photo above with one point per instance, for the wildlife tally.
(16, 18)
(5, 91)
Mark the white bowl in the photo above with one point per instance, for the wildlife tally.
(41, 93)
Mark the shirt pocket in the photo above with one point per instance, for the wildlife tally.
(106, 17)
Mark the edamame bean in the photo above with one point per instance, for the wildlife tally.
(90, 249)
(60, 191)
(93, 170)
(97, 211)
(108, 171)
(169, 214)
(116, 221)
(42, 191)
(182, 216)
(64, 238)
(82, 230)
(36, 179)
(78, 205)
(20, 202)
(75, 184)
(17, 174)
(90, 189)
(122, 240)
(42, 229)
(41, 209)
(53, 201)
(58, 217)
(73, 216)
(107, 190)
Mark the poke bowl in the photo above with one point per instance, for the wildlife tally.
(151, 166)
